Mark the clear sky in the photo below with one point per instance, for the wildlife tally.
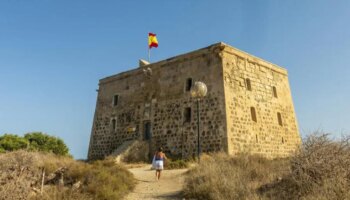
(52, 54)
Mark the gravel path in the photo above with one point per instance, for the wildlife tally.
(169, 186)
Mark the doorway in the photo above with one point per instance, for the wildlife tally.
(147, 130)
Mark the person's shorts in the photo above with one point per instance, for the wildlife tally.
(159, 165)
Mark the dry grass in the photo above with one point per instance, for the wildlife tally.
(219, 176)
(21, 175)
(319, 171)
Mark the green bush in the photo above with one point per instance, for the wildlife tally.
(11, 142)
(35, 141)
(43, 142)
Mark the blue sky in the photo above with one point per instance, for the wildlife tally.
(52, 54)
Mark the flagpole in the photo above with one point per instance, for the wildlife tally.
(149, 49)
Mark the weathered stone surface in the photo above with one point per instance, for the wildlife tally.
(158, 99)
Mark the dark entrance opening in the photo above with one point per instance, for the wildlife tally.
(147, 131)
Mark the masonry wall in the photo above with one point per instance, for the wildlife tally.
(161, 99)
(226, 122)
(265, 136)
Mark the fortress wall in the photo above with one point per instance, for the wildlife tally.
(104, 139)
(161, 100)
(169, 128)
(265, 136)
(226, 122)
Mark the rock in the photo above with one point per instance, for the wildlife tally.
(76, 185)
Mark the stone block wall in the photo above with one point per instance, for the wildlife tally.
(155, 96)
(161, 99)
(273, 131)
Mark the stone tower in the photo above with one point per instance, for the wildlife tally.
(248, 107)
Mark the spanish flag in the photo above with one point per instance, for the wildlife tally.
(152, 40)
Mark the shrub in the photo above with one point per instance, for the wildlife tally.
(21, 173)
(36, 141)
(176, 164)
(10, 142)
(219, 176)
(43, 142)
(109, 181)
(319, 171)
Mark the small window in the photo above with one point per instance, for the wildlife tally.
(279, 117)
(115, 100)
(253, 114)
(128, 118)
(187, 114)
(274, 90)
(256, 137)
(248, 84)
(114, 124)
(188, 84)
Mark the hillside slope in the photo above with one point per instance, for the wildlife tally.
(34, 175)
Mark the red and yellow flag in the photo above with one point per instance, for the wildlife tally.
(152, 40)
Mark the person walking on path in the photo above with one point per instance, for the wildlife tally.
(159, 158)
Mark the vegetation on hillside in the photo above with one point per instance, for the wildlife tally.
(35, 141)
(23, 172)
(10, 142)
(320, 170)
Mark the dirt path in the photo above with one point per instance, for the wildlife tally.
(168, 187)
